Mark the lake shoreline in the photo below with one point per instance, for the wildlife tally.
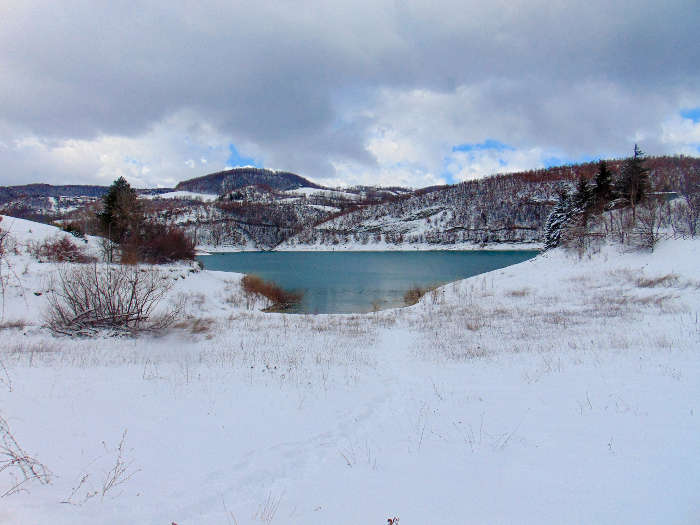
(377, 247)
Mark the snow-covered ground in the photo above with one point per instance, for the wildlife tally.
(331, 194)
(204, 197)
(559, 390)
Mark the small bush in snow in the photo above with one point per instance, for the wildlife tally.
(21, 467)
(85, 299)
(60, 250)
(413, 295)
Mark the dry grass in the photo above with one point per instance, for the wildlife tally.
(414, 294)
(281, 299)
(13, 325)
(667, 280)
(520, 292)
(196, 325)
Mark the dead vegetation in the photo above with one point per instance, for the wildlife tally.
(415, 293)
(20, 466)
(60, 249)
(667, 280)
(196, 325)
(86, 299)
(280, 298)
(17, 324)
(520, 292)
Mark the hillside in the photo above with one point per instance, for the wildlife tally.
(501, 209)
(250, 208)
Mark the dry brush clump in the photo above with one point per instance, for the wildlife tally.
(415, 293)
(60, 249)
(281, 299)
(86, 299)
(20, 466)
(156, 243)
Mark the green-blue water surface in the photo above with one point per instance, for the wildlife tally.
(347, 282)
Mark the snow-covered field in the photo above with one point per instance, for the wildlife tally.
(204, 197)
(557, 391)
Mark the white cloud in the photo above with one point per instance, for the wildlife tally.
(681, 135)
(351, 91)
(162, 156)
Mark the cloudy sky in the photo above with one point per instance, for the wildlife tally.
(344, 92)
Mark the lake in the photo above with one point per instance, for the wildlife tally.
(355, 282)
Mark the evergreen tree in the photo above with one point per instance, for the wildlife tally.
(122, 214)
(602, 191)
(582, 199)
(558, 220)
(633, 183)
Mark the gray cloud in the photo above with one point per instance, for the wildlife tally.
(306, 87)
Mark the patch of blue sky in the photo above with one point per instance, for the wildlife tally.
(553, 161)
(691, 114)
(488, 144)
(236, 159)
(131, 160)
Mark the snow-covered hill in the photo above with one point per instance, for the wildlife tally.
(249, 208)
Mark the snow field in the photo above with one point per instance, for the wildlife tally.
(558, 390)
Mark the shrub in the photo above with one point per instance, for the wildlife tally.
(85, 299)
(413, 295)
(157, 244)
(14, 458)
(60, 250)
(162, 244)
(281, 299)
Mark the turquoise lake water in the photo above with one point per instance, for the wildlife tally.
(349, 282)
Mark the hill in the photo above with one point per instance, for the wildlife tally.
(251, 208)
(228, 180)
(510, 208)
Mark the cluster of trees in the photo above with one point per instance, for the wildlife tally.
(127, 231)
(626, 205)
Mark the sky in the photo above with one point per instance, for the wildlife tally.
(390, 92)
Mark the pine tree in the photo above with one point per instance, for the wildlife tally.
(557, 220)
(582, 199)
(633, 183)
(122, 213)
(602, 191)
